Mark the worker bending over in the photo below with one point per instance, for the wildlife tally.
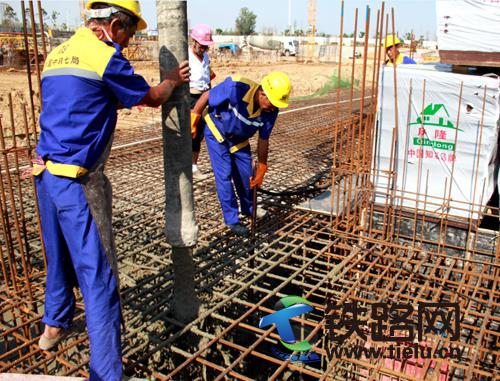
(237, 109)
(392, 50)
(84, 81)
(199, 82)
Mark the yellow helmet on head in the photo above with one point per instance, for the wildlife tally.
(132, 6)
(277, 87)
(389, 42)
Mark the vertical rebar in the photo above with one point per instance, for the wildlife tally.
(28, 62)
(18, 176)
(35, 48)
(33, 186)
(10, 189)
(42, 29)
(337, 126)
(361, 130)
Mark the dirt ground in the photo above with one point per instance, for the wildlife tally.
(306, 80)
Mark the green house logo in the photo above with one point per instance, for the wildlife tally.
(435, 114)
(433, 127)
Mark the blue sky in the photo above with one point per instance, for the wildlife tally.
(419, 15)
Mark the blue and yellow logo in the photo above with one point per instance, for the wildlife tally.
(293, 306)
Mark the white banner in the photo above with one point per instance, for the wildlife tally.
(469, 25)
(432, 142)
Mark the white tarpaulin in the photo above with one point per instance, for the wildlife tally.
(469, 25)
(427, 126)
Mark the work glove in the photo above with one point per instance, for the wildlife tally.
(195, 118)
(259, 176)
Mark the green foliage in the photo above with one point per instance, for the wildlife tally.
(245, 23)
(53, 17)
(299, 32)
(329, 87)
(226, 32)
(9, 13)
(9, 19)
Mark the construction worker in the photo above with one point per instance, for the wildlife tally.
(10, 54)
(84, 81)
(392, 49)
(237, 109)
(199, 82)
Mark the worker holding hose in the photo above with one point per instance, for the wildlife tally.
(84, 81)
(237, 109)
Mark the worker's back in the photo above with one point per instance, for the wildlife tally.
(233, 112)
(83, 81)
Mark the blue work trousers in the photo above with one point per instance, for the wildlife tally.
(231, 168)
(76, 257)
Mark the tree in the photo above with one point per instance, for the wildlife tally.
(297, 32)
(245, 23)
(219, 31)
(44, 17)
(9, 17)
(9, 13)
(53, 18)
(28, 17)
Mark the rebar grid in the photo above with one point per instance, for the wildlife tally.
(138, 220)
(306, 257)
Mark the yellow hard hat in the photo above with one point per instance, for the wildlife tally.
(132, 6)
(277, 87)
(389, 41)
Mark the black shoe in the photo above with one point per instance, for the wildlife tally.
(239, 229)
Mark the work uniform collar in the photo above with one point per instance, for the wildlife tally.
(250, 99)
(87, 33)
(399, 60)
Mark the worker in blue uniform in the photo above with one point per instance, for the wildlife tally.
(84, 81)
(392, 45)
(237, 109)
